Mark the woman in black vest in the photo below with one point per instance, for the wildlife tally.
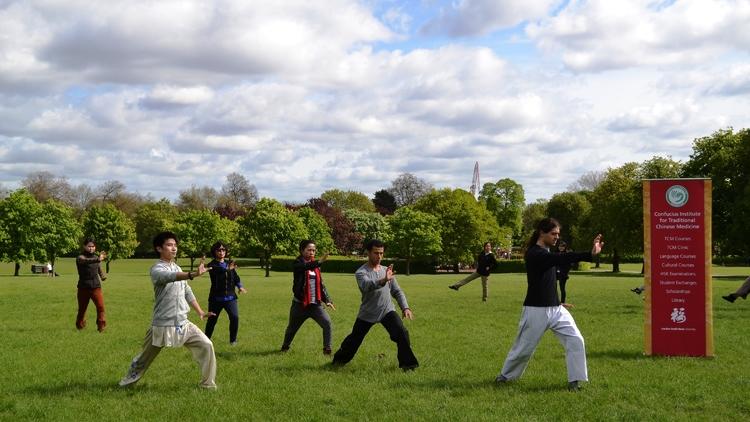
(223, 294)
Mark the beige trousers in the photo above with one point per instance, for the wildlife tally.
(200, 346)
(473, 276)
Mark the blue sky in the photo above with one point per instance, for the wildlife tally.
(301, 96)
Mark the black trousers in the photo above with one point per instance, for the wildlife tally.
(234, 318)
(298, 314)
(396, 330)
(562, 282)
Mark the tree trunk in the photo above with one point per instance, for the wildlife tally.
(192, 260)
(598, 261)
(643, 268)
(455, 267)
(52, 261)
(408, 264)
(18, 268)
(268, 264)
(615, 261)
(107, 270)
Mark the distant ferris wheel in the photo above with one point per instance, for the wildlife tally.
(475, 181)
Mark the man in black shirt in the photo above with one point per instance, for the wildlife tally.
(542, 309)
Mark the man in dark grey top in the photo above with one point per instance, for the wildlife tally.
(378, 285)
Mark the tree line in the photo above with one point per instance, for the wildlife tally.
(47, 217)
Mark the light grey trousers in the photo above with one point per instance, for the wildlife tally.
(534, 322)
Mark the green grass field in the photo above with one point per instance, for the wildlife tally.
(50, 371)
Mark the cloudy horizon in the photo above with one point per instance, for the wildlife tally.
(301, 97)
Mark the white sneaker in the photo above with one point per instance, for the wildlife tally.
(131, 378)
(234, 343)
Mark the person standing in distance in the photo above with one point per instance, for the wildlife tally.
(225, 283)
(542, 309)
(485, 263)
(378, 284)
(90, 277)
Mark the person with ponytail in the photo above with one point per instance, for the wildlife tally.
(310, 296)
(542, 309)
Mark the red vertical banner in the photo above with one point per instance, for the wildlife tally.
(677, 257)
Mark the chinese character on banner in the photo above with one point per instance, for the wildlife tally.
(678, 315)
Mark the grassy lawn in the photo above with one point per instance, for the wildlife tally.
(50, 371)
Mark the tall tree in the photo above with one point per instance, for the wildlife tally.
(587, 182)
(197, 230)
(724, 157)
(347, 200)
(505, 200)
(197, 198)
(465, 224)
(60, 230)
(272, 229)
(370, 225)
(408, 188)
(151, 219)
(237, 196)
(318, 230)
(19, 217)
(532, 213)
(43, 185)
(415, 234)
(345, 237)
(113, 231)
(572, 210)
(384, 202)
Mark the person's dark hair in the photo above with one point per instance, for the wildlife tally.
(303, 244)
(215, 247)
(88, 240)
(562, 245)
(487, 243)
(163, 237)
(544, 225)
(374, 243)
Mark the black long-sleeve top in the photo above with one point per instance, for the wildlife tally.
(90, 273)
(486, 262)
(300, 266)
(541, 268)
(224, 282)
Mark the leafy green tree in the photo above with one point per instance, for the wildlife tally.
(415, 234)
(572, 210)
(197, 230)
(370, 225)
(505, 200)
(465, 224)
(724, 157)
(272, 229)
(318, 230)
(347, 200)
(60, 230)
(22, 240)
(531, 215)
(151, 219)
(113, 231)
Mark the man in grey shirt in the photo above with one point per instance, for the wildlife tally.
(377, 285)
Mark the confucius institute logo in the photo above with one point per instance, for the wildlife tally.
(677, 196)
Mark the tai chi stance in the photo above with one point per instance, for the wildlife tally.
(486, 262)
(170, 326)
(310, 296)
(377, 285)
(90, 277)
(225, 282)
(741, 292)
(542, 309)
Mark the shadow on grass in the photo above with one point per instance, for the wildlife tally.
(730, 277)
(464, 387)
(606, 274)
(233, 355)
(77, 388)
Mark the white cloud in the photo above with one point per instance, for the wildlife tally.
(600, 35)
(480, 17)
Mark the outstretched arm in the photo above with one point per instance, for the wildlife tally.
(194, 304)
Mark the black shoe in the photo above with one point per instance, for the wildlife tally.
(327, 352)
(730, 298)
(410, 367)
(573, 386)
(637, 290)
(284, 348)
(453, 287)
(501, 380)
